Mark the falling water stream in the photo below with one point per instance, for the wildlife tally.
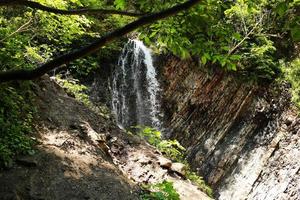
(135, 89)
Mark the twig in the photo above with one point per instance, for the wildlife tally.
(246, 37)
(20, 29)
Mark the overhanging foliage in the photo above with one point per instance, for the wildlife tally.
(28, 74)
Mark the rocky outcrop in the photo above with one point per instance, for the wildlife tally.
(241, 137)
(143, 164)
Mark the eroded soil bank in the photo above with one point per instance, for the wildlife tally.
(81, 155)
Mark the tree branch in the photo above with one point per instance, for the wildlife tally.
(246, 37)
(20, 29)
(27, 74)
(36, 5)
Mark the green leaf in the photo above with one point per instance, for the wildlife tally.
(120, 4)
(232, 67)
(147, 40)
(295, 31)
(207, 56)
(235, 57)
(203, 60)
(223, 62)
(281, 9)
(236, 36)
(225, 48)
(152, 34)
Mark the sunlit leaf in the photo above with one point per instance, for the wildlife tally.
(120, 4)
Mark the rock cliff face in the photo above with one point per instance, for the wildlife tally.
(244, 139)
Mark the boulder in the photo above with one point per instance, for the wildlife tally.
(179, 168)
(164, 162)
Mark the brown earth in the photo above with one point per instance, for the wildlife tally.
(81, 155)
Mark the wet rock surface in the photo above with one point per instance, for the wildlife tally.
(241, 137)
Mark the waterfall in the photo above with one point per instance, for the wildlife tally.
(135, 88)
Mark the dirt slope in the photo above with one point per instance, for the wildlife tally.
(81, 155)
(68, 164)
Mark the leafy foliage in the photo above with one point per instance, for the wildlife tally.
(31, 37)
(241, 35)
(198, 180)
(238, 35)
(78, 91)
(16, 115)
(292, 74)
(161, 191)
(171, 148)
(75, 89)
(120, 4)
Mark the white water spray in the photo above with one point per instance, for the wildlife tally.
(135, 88)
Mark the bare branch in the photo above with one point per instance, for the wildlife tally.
(87, 11)
(20, 29)
(28, 74)
(246, 36)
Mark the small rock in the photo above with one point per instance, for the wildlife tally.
(144, 161)
(284, 127)
(113, 139)
(103, 146)
(27, 161)
(289, 121)
(9, 164)
(101, 137)
(179, 168)
(115, 149)
(164, 162)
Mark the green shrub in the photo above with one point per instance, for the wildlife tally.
(150, 134)
(171, 148)
(16, 114)
(199, 182)
(292, 74)
(160, 191)
(77, 90)
(74, 88)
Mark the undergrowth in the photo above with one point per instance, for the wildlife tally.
(198, 181)
(160, 191)
(175, 151)
(16, 115)
(75, 89)
(78, 91)
(170, 148)
(292, 74)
